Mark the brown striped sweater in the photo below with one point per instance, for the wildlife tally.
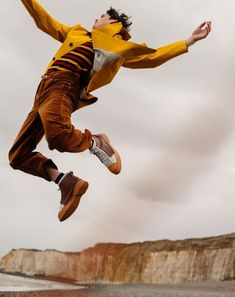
(77, 60)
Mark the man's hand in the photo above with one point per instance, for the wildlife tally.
(199, 33)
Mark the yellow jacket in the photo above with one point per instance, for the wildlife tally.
(110, 40)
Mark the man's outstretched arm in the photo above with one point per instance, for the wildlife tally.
(167, 52)
(45, 21)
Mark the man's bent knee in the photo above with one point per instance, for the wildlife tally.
(61, 147)
(58, 143)
(13, 161)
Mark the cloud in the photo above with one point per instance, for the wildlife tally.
(184, 155)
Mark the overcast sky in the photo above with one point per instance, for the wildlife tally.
(174, 127)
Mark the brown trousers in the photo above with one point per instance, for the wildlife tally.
(56, 99)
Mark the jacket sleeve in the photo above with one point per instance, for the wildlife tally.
(160, 56)
(45, 22)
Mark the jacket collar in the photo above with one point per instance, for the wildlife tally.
(113, 30)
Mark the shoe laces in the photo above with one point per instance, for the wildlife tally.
(104, 158)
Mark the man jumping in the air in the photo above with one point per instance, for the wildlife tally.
(85, 62)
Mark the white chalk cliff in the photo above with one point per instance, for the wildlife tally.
(159, 262)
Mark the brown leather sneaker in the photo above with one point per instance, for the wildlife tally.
(106, 153)
(72, 188)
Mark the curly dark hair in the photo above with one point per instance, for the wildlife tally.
(120, 17)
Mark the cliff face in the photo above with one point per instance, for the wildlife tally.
(159, 262)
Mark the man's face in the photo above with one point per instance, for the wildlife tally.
(103, 20)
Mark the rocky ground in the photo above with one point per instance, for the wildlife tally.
(218, 289)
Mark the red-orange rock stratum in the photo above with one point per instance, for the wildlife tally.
(160, 262)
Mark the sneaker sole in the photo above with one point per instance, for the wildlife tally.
(116, 167)
(80, 188)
